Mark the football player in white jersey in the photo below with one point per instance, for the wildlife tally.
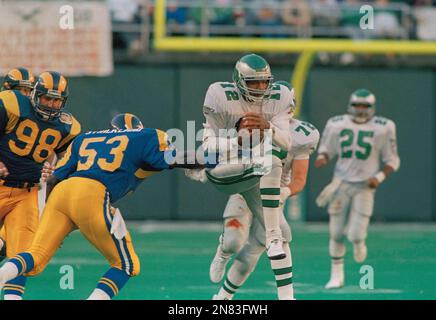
(253, 103)
(245, 236)
(360, 139)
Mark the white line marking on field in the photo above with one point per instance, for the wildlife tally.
(150, 226)
(155, 226)
(82, 261)
(309, 288)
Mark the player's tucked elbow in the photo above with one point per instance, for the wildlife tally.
(394, 164)
(282, 139)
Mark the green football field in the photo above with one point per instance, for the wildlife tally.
(175, 262)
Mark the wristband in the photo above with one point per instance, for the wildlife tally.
(321, 156)
(380, 176)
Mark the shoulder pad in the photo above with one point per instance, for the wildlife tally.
(308, 134)
(217, 96)
(285, 98)
(338, 118)
(10, 103)
(69, 119)
(381, 120)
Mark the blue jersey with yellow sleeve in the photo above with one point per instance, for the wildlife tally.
(26, 140)
(119, 159)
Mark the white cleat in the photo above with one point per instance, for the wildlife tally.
(360, 252)
(218, 265)
(275, 250)
(337, 276)
(335, 283)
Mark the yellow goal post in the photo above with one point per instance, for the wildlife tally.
(306, 47)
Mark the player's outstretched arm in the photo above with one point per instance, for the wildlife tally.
(187, 160)
(187, 166)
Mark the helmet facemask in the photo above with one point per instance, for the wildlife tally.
(361, 106)
(359, 114)
(48, 113)
(50, 95)
(253, 68)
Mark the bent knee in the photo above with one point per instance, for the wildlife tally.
(232, 243)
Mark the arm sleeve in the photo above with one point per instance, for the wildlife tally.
(280, 122)
(215, 120)
(389, 152)
(158, 154)
(303, 152)
(68, 164)
(280, 126)
(328, 141)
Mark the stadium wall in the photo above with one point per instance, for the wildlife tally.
(168, 95)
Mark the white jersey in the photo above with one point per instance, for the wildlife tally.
(305, 138)
(224, 106)
(360, 147)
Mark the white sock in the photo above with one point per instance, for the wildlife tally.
(272, 224)
(224, 295)
(337, 270)
(12, 297)
(270, 195)
(99, 294)
(8, 272)
(283, 273)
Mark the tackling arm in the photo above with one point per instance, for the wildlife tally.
(185, 162)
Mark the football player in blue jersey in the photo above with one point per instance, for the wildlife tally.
(99, 168)
(32, 130)
(22, 80)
